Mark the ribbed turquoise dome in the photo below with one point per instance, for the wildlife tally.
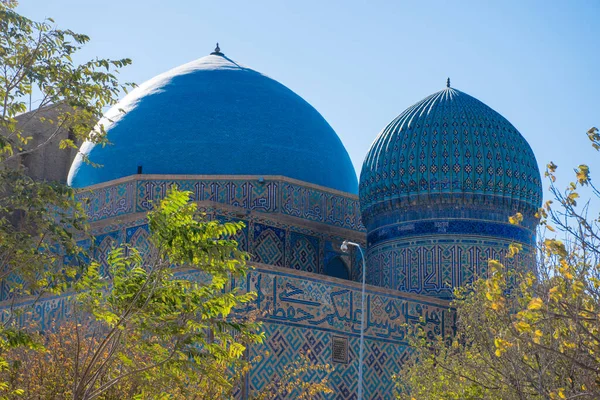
(215, 117)
(449, 148)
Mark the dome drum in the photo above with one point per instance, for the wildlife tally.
(464, 205)
(434, 265)
(451, 227)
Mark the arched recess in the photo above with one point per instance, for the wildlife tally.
(337, 268)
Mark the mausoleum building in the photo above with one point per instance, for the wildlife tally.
(432, 206)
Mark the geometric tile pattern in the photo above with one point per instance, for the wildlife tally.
(289, 244)
(435, 265)
(138, 237)
(108, 202)
(381, 361)
(8, 284)
(320, 206)
(304, 253)
(447, 145)
(241, 237)
(269, 245)
(282, 345)
(104, 244)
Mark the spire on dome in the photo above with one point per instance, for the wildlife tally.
(448, 82)
(217, 51)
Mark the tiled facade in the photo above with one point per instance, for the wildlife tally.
(419, 246)
(303, 311)
(287, 223)
(292, 230)
(433, 256)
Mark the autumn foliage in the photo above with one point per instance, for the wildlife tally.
(528, 333)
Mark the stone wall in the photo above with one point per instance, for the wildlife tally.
(49, 162)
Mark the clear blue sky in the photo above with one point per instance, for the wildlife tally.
(362, 63)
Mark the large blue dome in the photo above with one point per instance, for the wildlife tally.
(215, 117)
(449, 148)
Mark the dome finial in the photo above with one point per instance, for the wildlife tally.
(217, 51)
(448, 82)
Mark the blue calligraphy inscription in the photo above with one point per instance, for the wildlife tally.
(285, 299)
(308, 302)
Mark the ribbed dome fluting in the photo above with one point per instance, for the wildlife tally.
(449, 147)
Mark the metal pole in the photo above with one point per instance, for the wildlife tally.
(361, 351)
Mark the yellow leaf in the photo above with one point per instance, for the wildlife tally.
(571, 198)
(501, 346)
(495, 265)
(522, 326)
(568, 275)
(516, 219)
(538, 335)
(535, 304)
(583, 172)
(578, 287)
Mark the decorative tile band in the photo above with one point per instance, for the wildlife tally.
(275, 196)
(108, 202)
(435, 265)
(449, 206)
(459, 227)
(336, 307)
